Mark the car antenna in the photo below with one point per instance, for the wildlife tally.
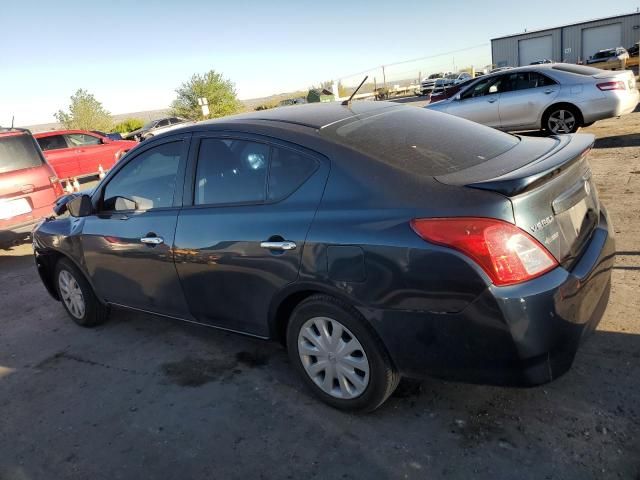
(348, 101)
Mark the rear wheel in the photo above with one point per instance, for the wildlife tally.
(77, 296)
(561, 119)
(339, 356)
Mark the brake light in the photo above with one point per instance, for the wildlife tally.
(508, 254)
(55, 183)
(606, 86)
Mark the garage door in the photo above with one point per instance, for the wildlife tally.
(534, 49)
(599, 38)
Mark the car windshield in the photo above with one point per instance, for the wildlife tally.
(605, 54)
(421, 141)
(18, 152)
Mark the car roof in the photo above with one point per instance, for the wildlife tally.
(314, 115)
(63, 132)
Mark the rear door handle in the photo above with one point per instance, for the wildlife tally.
(152, 240)
(549, 91)
(283, 246)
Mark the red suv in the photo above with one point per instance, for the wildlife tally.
(28, 185)
(77, 153)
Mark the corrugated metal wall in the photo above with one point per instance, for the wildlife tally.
(567, 41)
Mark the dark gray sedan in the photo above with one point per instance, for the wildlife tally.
(374, 240)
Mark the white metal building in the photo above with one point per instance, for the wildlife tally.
(569, 43)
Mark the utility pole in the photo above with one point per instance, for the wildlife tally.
(384, 78)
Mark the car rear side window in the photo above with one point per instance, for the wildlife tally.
(231, 172)
(80, 139)
(289, 170)
(18, 152)
(54, 142)
(147, 181)
(420, 141)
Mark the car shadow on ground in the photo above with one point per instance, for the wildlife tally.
(618, 141)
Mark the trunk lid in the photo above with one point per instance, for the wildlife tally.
(548, 182)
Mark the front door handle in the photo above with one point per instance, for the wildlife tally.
(492, 100)
(152, 240)
(283, 246)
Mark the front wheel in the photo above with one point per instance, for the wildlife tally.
(561, 120)
(77, 296)
(339, 356)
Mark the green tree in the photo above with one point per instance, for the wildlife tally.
(219, 92)
(85, 113)
(128, 125)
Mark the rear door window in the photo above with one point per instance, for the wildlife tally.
(420, 141)
(54, 142)
(81, 140)
(231, 172)
(18, 152)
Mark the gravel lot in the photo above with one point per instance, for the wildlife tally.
(143, 397)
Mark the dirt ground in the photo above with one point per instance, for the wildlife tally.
(143, 397)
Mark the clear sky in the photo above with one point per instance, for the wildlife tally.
(133, 54)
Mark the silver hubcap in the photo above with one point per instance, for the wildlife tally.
(71, 294)
(333, 358)
(562, 121)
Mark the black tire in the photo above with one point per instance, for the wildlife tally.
(383, 377)
(556, 108)
(95, 312)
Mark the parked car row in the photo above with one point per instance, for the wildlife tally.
(558, 97)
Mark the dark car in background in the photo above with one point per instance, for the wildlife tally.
(149, 128)
(28, 185)
(112, 135)
(374, 240)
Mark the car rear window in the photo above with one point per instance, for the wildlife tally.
(18, 152)
(577, 69)
(421, 141)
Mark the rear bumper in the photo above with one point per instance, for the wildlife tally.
(524, 334)
(19, 230)
(613, 104)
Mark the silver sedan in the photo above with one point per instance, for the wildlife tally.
(558, 98)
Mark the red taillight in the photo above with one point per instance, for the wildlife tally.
(506, 253)
(606, 86)
(55, 183)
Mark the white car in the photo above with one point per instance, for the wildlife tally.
(168, 128)
(558, 98)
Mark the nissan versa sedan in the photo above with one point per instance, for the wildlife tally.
(374, 240)
(558, 98)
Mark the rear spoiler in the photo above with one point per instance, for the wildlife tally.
(570, 150)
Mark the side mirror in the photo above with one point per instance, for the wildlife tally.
(80, 206)
(493, 89)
